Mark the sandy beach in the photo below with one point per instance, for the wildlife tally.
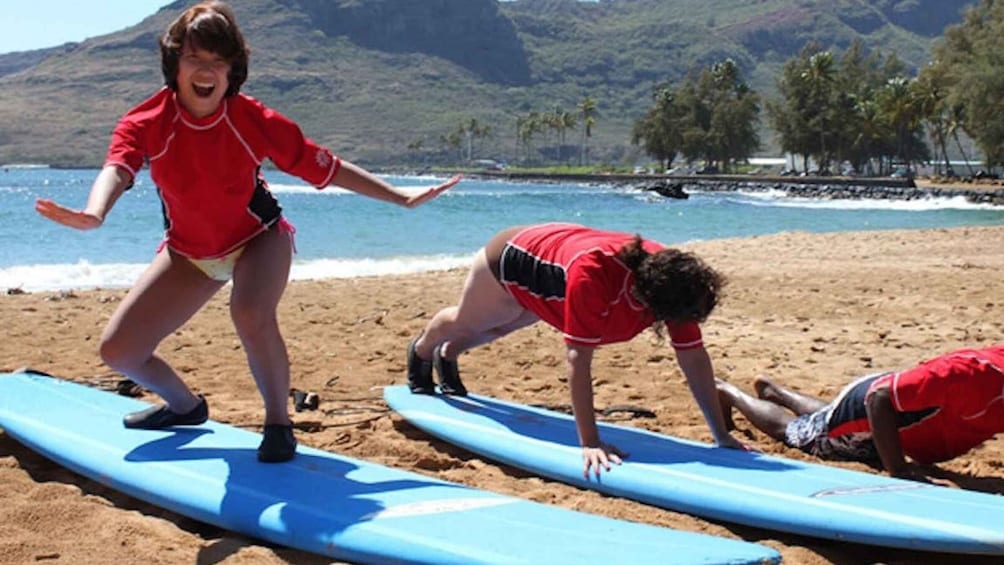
(811, 311)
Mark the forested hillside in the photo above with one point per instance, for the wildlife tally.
(387, 81)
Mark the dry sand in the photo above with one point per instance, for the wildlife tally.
(812, 311)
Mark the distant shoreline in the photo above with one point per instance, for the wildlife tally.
(842, 188)
(835, 188)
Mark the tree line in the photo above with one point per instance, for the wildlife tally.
(857, 109)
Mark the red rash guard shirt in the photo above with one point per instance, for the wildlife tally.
(207, 169)
(570, 276)
(963, 395)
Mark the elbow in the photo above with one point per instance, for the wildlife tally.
(878, 399)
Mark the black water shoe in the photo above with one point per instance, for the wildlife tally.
(419, 372)
(449, 375)
(278, 444)
(159, 417)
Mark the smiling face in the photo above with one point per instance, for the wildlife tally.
(203, 80)
(204, 57)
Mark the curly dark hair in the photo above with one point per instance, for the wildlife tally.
(210, 26)
(677, 286)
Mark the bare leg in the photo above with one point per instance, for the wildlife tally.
(260, 278)
(485, 312)
(794, 401)
(766, 416)
(167, 294)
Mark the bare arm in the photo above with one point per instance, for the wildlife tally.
(696, 367)
(885, 432)
(882, 418)
(361, 181)
(580, 380)
(595, 454)
(109, 185)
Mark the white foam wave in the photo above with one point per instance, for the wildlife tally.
(84, 275)
(780, 199)
(348, 268)
(81, 275)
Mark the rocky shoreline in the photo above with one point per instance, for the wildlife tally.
(681, 189)
(802, 187)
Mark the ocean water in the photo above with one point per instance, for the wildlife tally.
(341, 234)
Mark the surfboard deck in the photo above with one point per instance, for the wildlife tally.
(717, 483)
(322, 502)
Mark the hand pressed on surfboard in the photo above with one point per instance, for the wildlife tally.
(597, 458)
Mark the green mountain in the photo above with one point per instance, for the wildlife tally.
(382, 81)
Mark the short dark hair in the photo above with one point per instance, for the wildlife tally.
(210, 26)
(675, 285)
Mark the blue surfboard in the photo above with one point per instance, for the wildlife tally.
(322, 502)
(717, 483)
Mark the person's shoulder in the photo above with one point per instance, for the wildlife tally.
(159, 104)
(243, 106)
(247, 104)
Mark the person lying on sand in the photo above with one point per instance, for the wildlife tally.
(933, 412)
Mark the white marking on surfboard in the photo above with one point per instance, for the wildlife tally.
(987, 536)
(868, 490)
(437, 507)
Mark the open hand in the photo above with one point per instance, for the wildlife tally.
(60, 214)
(431, 192)
(596, 458)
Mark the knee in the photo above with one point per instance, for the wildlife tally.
(120, 355)
(251, 320)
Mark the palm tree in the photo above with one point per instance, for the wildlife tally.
(931, 96)
(563, 121)
(587, 111)
(819, 77)
(528, 126)
(900, 108)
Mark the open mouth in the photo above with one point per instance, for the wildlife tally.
(203, 90)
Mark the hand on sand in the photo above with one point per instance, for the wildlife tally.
(431, 192)
(599, 458)
(76, 219)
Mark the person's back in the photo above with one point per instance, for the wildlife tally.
(963, 391)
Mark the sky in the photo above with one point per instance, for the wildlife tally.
(35, 24)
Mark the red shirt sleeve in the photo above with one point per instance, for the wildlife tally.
(296, 154)
(925, 385)
(128, 148)
(685, 335)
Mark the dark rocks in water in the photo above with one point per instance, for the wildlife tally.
(667, 189)
(840, 191)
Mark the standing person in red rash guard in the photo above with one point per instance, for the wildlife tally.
(596, 287)
(205, 143)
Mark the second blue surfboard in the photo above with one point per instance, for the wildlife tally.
(718, 483)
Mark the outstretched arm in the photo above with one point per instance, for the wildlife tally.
(109, 185)
(595, 454)
(696, 367)
(359, 180)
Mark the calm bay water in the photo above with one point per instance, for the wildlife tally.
(340, 234)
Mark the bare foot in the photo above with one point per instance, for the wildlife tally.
(765, 389)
